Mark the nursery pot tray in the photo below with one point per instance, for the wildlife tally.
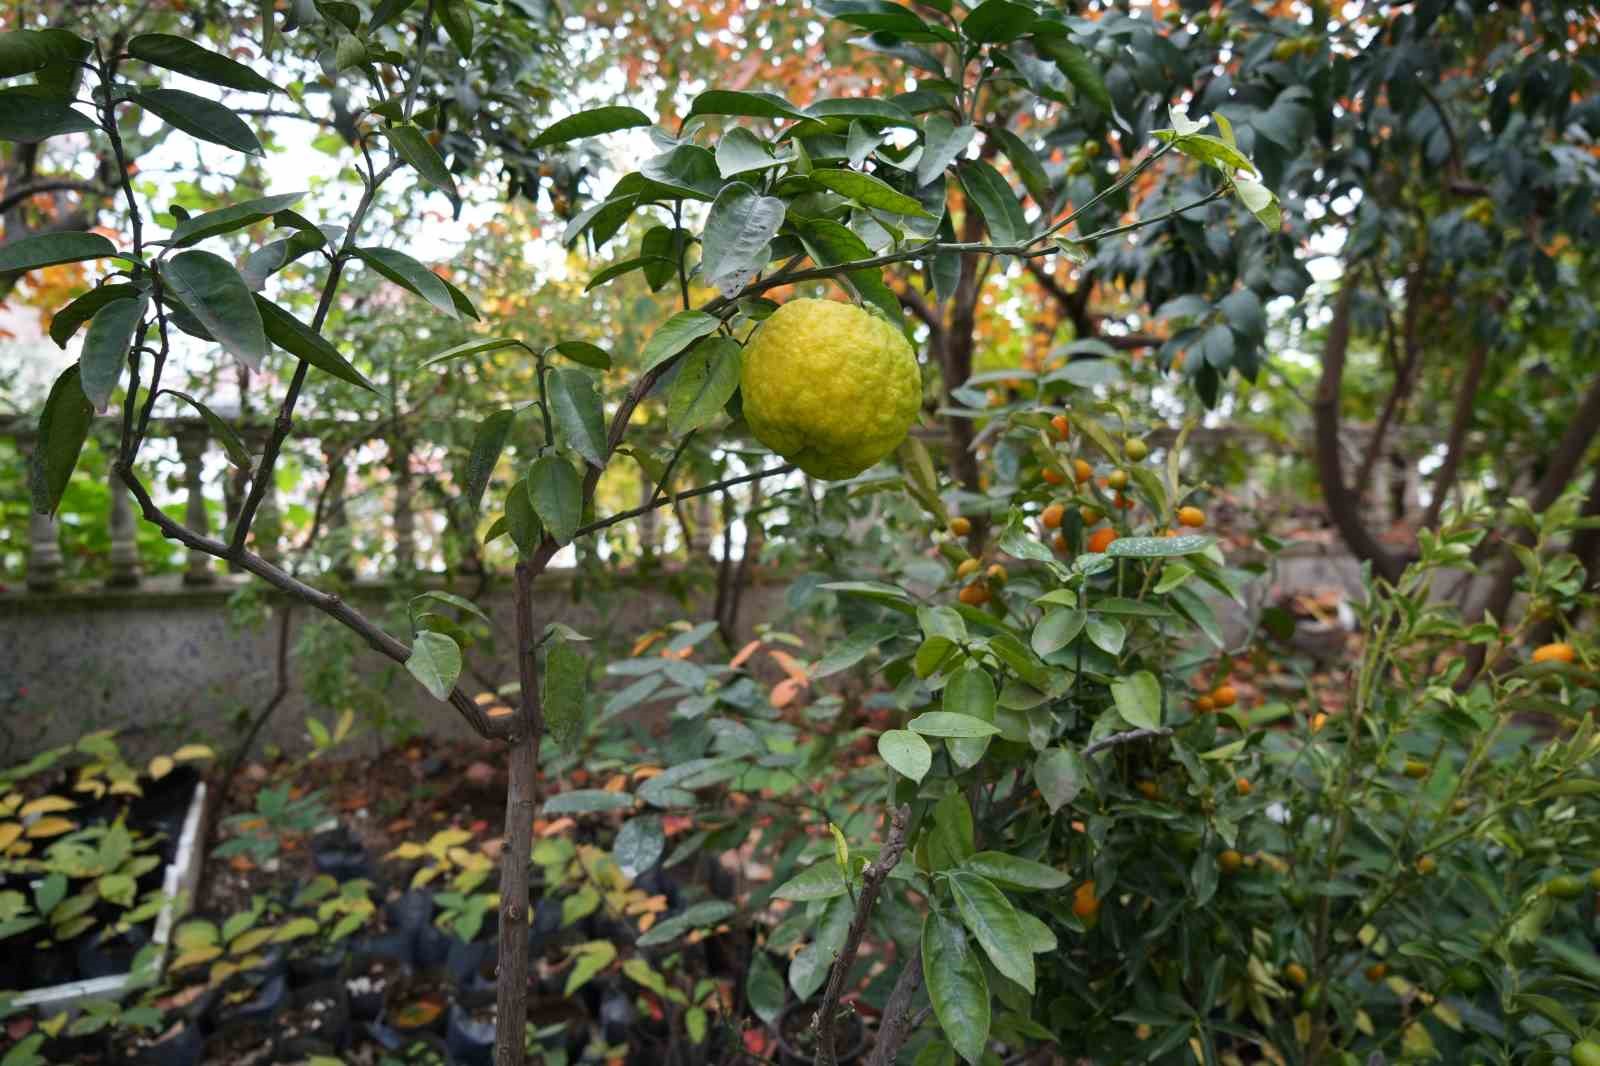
(178, 883)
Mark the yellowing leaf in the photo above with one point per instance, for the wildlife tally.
(406, 851)
(46, 805)
(9, 833)
(193, 753)
(295, 929)
(250, 939)
(51, 827)
(195, 956)
(160, 767)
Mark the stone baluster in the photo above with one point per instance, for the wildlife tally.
(405, 519)
(44, 538)
(334, 519)
(125, 569)
(649, 528)
(701, 530)
(267, 530)
(192, 450)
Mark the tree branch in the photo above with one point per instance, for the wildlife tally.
(899, 1022)
(1456, 442)
(678, 497)
(872, 879)
(17, 196)
(1343, 507)
(1128, 737)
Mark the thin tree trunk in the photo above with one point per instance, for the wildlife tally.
(1460, 423)
(1343, 506)
(511, 997)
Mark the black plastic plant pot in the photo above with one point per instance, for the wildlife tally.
(50, 966)
(546, 925)
(100, 956)
(316, 1022)
(424, 1049)
(399, 945)
(469, 1035)
(317, 963)
(433, 947)
(797, 1043)
(340, 854)
(471, 966)
(245, 1000)
(179, 1045)
(413, 910)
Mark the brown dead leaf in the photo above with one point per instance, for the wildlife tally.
(744, 655)
(784, 692)
(791, 666)
(560, 825)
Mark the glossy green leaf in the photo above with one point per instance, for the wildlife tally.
(579, 419)
(424, 158)
(230, 218)
(51, 249)
(1058, 628)
(591, 123)
(521, 521)
(213, 292)
(557, 496)
(698, 916)
(822, 881)
(63, 427)
(303, 342)
(30, 51)
(1158, 547)
(1107, 634)
(435, 661)
(997, 21)
(1026, 162)
(994, 198)
(956, 984)
(488, 441)
(1080, 70)
(707, 379)
(945, 724)
(989, 916)
(763, 987)
(906, 752)
(741, 152)
(479, 346)
(184, 56)
(410, 275)
(970, 692)
(1015, 872)
(1060, 775)
(737, 239)
(674, 335)
(587, 801)
(747, 104)
(564, 687)
(456, 18)
(199, 117)
(954, 834)
(943, 143)
(105, 349)
(639, 845)
(869, 191)
(223, 431)
(583, 352)
(29, 114)
(1138, 699)
(687, 172)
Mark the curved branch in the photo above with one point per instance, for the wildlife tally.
(1343, 506)
(27, 192)
(1455, 445)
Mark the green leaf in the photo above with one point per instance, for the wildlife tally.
(1058, 628)
(741, 152)
(1026, 163)
(747, 104)
(487, 443)
(970, 692)
(697, 916)
(184, 56)
(869, 191)
(565, 687)
(521, 522)
(1080, 70)
(575, 406)
(303, 342)
(943, 143)
(707, 380)
(557, 496)
(51, 249)
(424, 158)
(105, 349)
(1015, 872)
(1158, 547)
(639, 845)
(435, 661)
(456, 18)
(685, 172)
(223, 431)
(592, 957)
(997, 21)
(213, 292)
(763, 988)
(994, 198)
(63, 427)
(957, 987)
(1017, 541)
(674, 335)
(952, 839)
(591, 123)
(906, 752)
(30, 51)
(227, 219)
(822, 881)
(832, 243)
(989, 916)
(410, 275)
(865, 108)
(1060, 775)
(1138, 699)
(737, 239)
(30, 113)
(587, 801)
(1107, 634)
(473, 347)
(199, 117)
(583, 352)
(945, 724)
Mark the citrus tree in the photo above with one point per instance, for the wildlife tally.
(753, 196)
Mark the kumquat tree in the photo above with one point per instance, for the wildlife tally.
(1060, 698)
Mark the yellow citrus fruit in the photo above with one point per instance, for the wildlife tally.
(830, 387)
(1135, 449)
(1224, 696)
(1191, 516)
(1101, 539)
(1117, 479)
(1081, 471)
(1084, 904)
(1230, 861)
(1243, 786)
(1296, 974)
(1205, 704)
(1377, 972)
(1062, 427)
(1090, 515)
(1427, 865)
(1051, 516)
(974, 596)
(967, 568)
(996, 574)
(1553, 653)
(1052, 476)
(960, 525)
